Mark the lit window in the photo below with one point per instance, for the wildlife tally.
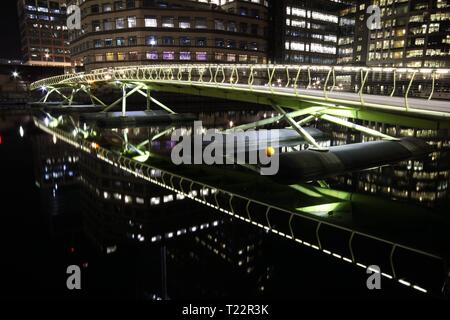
(132, 22)
(152, 55)
(201, 56)
(185, 55)
(168, 198)
(151, 22)
(168, 55)
(155, 201)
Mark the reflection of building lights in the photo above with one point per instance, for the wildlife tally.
(54, 139)
(21, 132)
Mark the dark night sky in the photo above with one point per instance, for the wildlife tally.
(9, 30)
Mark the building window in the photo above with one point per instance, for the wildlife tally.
(219, 25)
(98, 43)
(201, 42)
(231, 57)
(108, 25)
(118, 5)
(133, 56)
(151, 22)
(253, 46)
(120, 42)
(94, 8)
(184, 55)
(201, 56)
(243, 27)
(152, 55)
(167, 41)
(243, 11)
(200, 23)
(131, 4)
(231, 44)
(120, 23)
(98, 58)
(231, 26)
(219, 56)
(121, 56)
(254, 59)
(168, 55)
(185, 41)
(107, 7)
(110, 56)
(167, 22)
(220, 43)
(96, 26)
(184, 23)
(151, 41)
(108, 42)
(132, 22)
(132, 41)
(243, 58)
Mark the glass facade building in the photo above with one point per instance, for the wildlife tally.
(44, 32)
(410, 34)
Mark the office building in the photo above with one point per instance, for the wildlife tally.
(44, 34)
(131, 32)
(306, 32)
(411, 34)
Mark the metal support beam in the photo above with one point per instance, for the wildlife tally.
(299, 129)
(156, 102)
(357, 127)
(407, 91)
(149, 101)
(49, 92)
(93, 97)
(121, 99)
(271, 120)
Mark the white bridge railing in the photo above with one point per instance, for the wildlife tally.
(418, 82)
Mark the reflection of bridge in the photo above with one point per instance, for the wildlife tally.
(332, 94)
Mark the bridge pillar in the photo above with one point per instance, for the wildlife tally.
(124, 100)
(149, 100)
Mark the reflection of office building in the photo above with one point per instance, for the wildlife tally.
(306, 31)
(144, 31)
(54, 163)
(423, 181)
(44, 32)
(411, 34)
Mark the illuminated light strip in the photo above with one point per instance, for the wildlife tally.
(420, 289)
(373, 270)
(141, 175)
(406, 283)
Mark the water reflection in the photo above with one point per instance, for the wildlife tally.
(163, 239)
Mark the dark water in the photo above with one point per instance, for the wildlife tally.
(62, 208)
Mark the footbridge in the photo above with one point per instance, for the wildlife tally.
(305, 213)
